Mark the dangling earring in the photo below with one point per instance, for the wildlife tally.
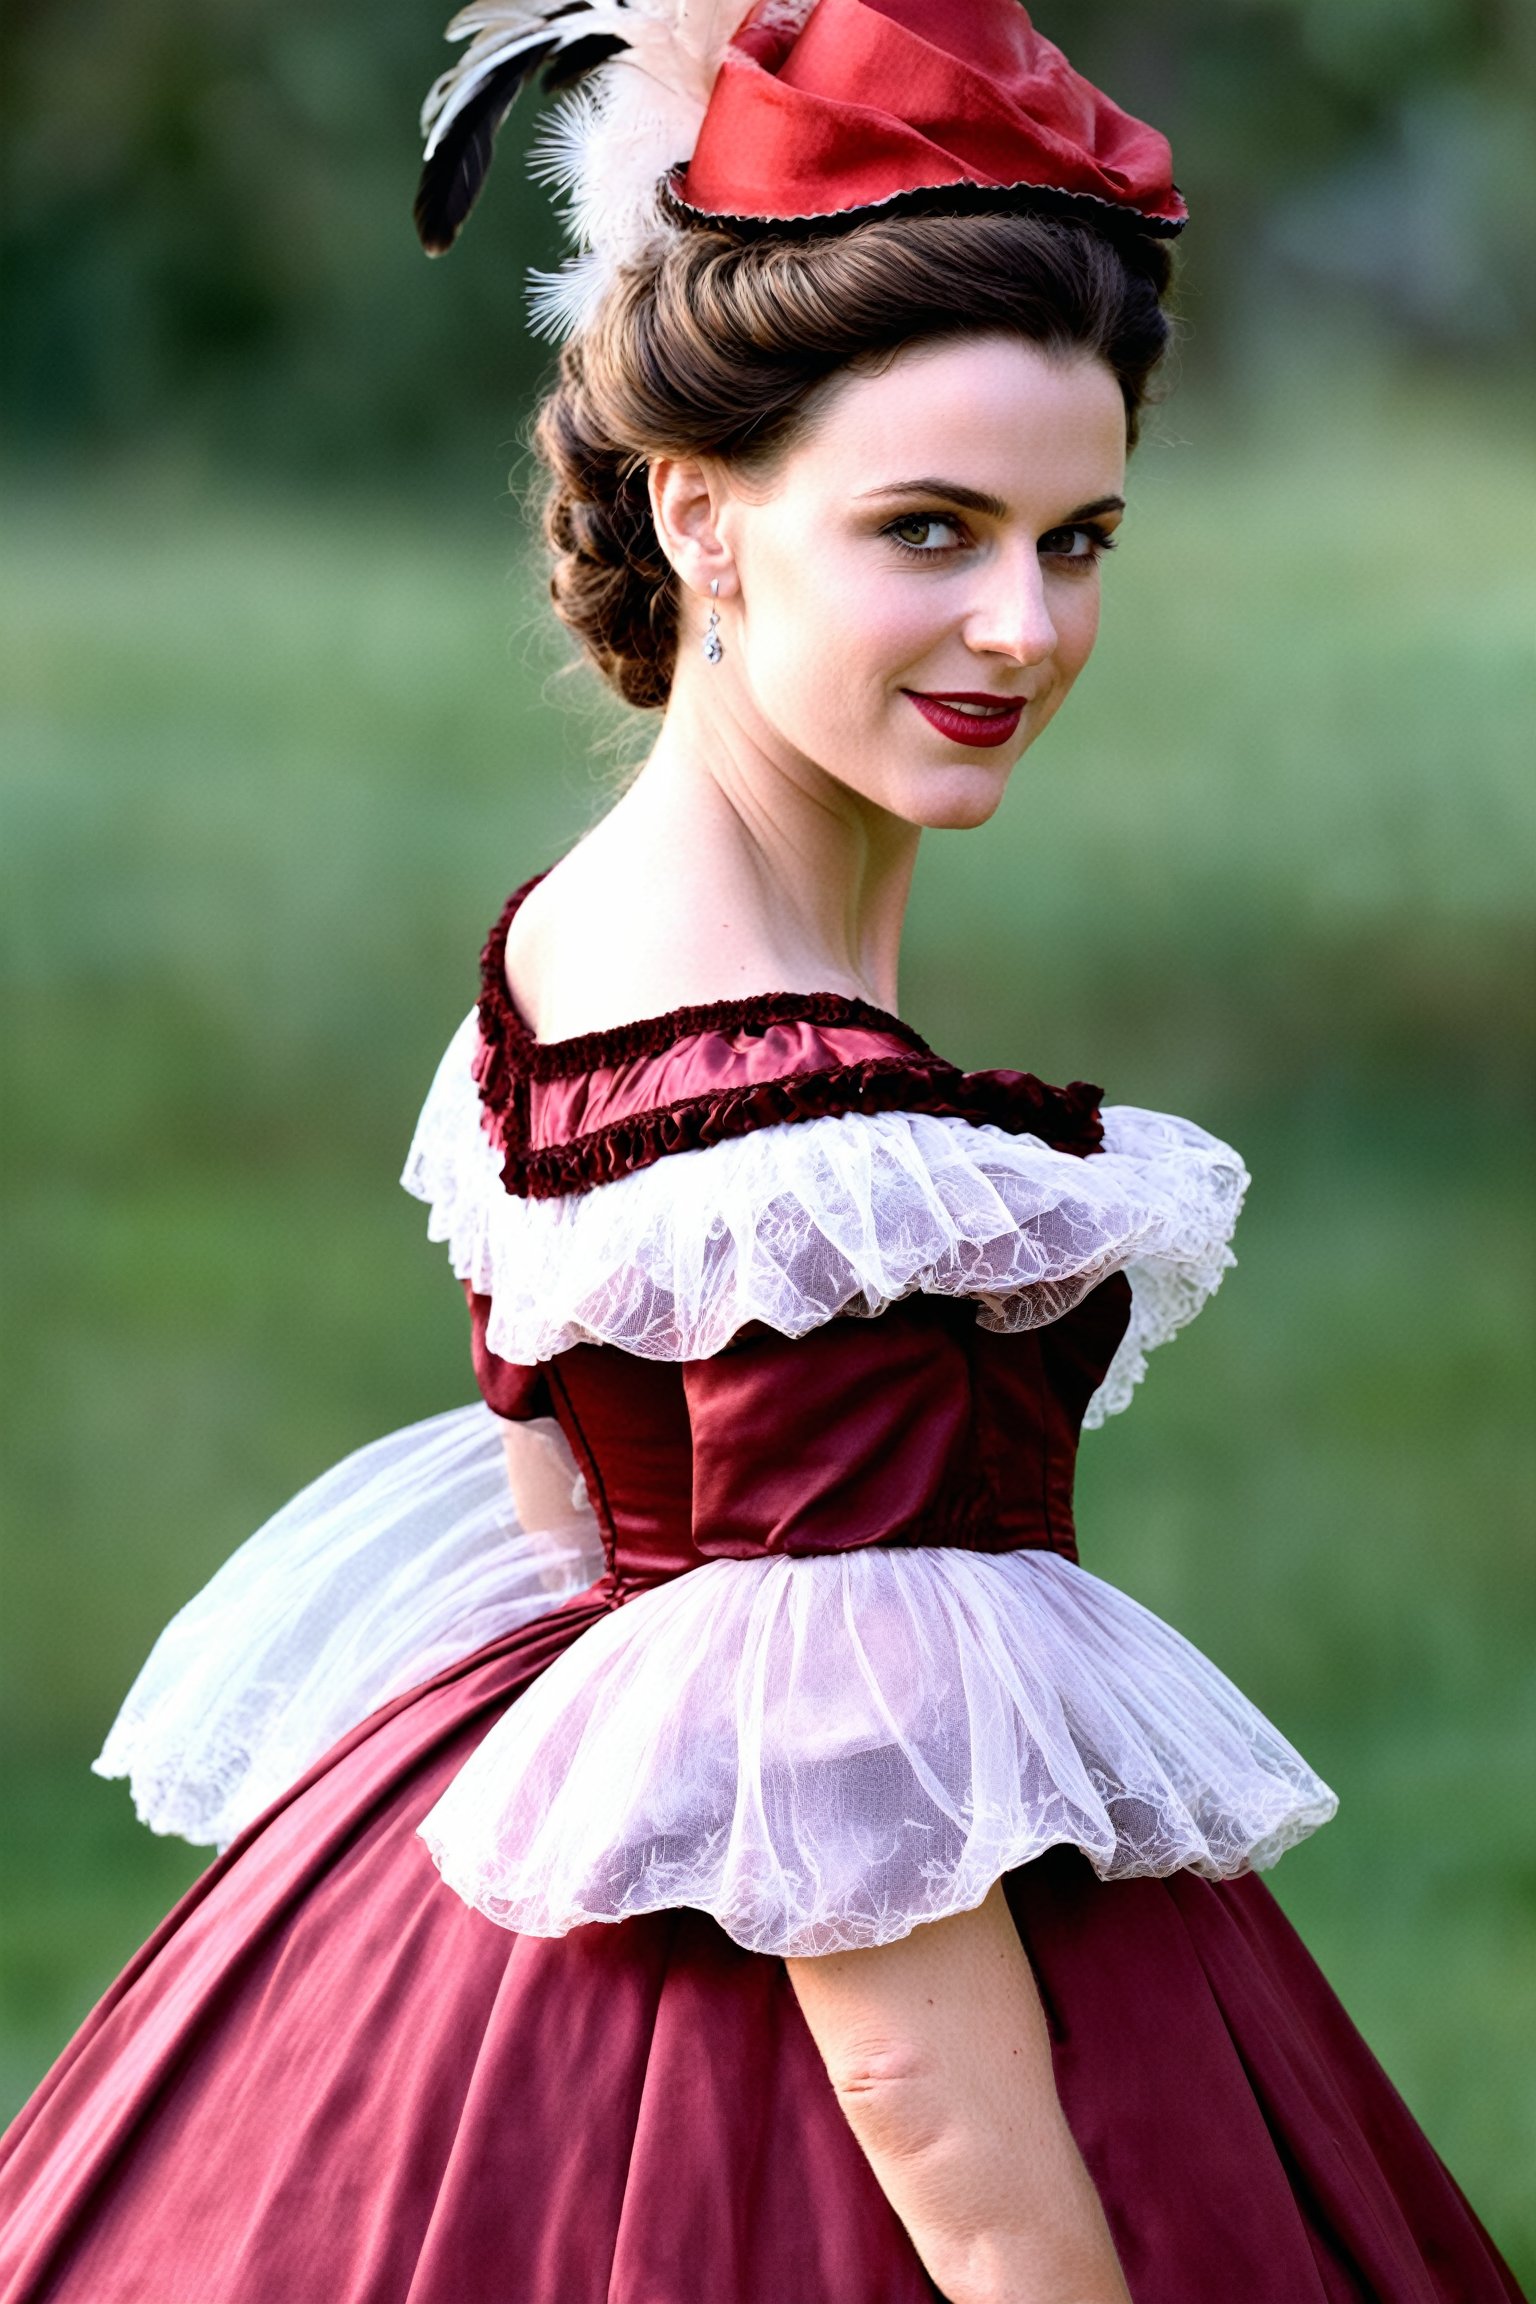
(712, 648)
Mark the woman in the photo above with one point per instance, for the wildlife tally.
(764, 1869)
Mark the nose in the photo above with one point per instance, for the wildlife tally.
(1011, 616)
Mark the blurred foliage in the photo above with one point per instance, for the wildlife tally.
(207, 235)
(272, 765)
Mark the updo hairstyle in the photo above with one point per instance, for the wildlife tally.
(720, 348)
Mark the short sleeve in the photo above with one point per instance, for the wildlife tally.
(845, 1311)
(826, 1752)
(508, 1388)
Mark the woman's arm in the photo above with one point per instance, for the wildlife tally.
(541, 1473)
(938, 2050)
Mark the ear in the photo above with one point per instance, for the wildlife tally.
(688, 495)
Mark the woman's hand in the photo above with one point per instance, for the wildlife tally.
(938, 2050)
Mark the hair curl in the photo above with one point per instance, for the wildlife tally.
(719, 347)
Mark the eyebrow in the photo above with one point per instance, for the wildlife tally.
(974, 500)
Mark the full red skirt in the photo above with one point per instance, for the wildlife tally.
(326, 2081)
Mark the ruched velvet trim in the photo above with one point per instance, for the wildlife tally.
(619, 1043)
(848, 1212)
(510, 1064)
(882, 1084)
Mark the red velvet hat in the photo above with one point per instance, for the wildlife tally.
(874, 99)
(782, 113)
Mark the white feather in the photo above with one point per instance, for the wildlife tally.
(498, 31)
(611, 143)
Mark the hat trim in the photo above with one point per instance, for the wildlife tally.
(965, 198)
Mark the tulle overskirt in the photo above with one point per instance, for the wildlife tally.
(400, 1560)
(820, 1752)
(327, 2078)
(823, 1753)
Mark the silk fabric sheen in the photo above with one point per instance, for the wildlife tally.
(917, 1428)
(326, 2080)
(876, 98)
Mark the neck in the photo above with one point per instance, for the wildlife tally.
(800, 881)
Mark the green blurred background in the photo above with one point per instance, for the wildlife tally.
(284, 720)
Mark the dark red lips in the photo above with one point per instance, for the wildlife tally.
(994, 721)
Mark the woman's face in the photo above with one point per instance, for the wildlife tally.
(912, 594)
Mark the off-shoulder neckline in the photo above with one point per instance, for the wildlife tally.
(839, 1055)
(651, 1035)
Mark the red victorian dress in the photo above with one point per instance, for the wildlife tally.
(484, 2000)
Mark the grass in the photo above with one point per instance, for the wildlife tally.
(273, 767)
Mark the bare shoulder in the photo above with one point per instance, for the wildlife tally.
(566, 943)
(618, 931)
(609, 936)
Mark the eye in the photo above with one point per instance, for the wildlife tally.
(1079, 547)
(927, 533)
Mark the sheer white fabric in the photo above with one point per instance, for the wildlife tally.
(393, 1565)
(821, 1752)
(795, 1223)
(825, 1752)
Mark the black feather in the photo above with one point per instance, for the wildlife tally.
(579, 57)
(452, 178)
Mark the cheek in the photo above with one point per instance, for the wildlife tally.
(1078, 627)
(822, 634)
(791, 600)
(1075, 614)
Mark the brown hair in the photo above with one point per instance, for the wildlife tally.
(720, 345)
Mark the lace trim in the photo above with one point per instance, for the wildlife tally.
(792, 1225)
(509, 1060)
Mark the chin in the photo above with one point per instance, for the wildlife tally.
(954, 799)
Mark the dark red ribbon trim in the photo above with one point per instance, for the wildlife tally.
(917, 1080)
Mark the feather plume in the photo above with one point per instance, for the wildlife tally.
(638, 76)
(455, 169)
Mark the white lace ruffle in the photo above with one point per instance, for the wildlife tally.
(800, 1221)
(393, 1565)
(825, 1752)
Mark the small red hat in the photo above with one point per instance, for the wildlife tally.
(792, 110)
(876, 99)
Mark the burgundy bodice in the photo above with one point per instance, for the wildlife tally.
(916, 1427)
